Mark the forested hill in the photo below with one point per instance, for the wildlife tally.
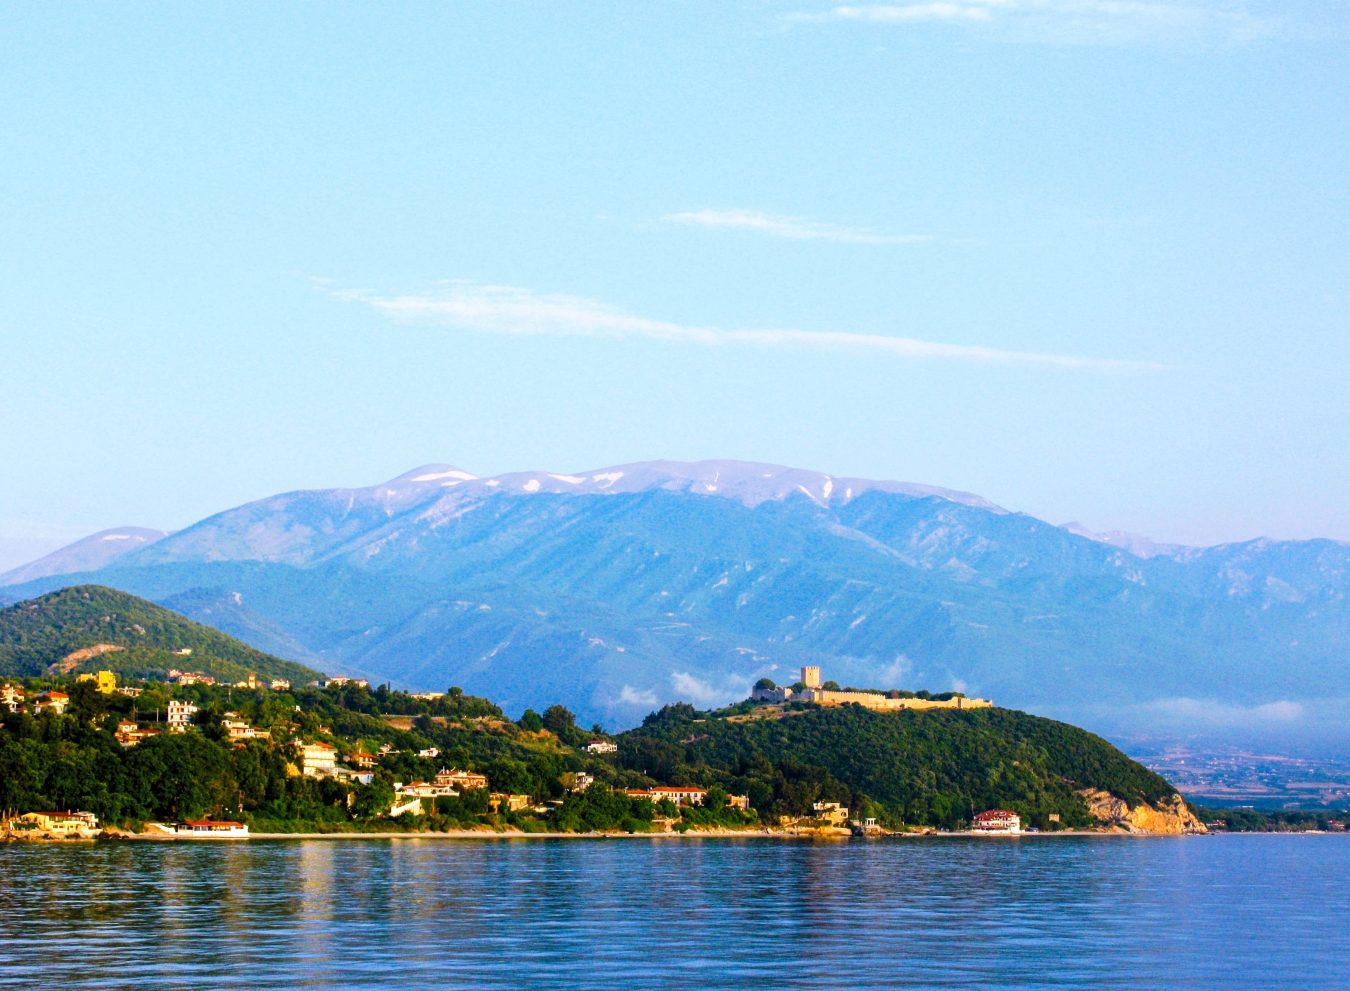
(930, 768)
(39, 636)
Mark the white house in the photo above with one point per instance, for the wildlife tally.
(211, 829)
(180, 716)
(317, 760)
(361, 775)
(997, 821)
(680, 795)
(423, 789)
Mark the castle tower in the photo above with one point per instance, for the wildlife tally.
(810, 677)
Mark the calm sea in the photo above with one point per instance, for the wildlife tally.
(1224, 911)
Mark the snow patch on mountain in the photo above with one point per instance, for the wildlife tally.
(463, 476)
(746, 482)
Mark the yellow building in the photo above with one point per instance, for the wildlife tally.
(104, 681)
(832, 812)
(62, 823)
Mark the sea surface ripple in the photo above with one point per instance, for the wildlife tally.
(1203, 912)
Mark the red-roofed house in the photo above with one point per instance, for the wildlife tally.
(997, 821)
(465, 780)
(129, 733)
(679, 794)
(54, 700)
(11, 696)
(318, 760)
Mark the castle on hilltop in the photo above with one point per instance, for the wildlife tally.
(814, 693)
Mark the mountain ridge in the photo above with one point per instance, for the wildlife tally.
(616, 599)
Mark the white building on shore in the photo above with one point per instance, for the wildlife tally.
(997, 821)
(212, 829)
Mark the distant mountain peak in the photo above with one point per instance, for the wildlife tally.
(88, 554)
(1136, 543)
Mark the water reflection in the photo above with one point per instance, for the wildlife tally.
(1224, 911)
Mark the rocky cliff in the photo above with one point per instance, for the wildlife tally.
(1168, 815)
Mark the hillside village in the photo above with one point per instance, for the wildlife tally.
(334, 755)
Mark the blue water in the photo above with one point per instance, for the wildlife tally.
(1206, 912)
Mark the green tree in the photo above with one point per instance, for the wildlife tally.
(179, 776)
(87, 703)
(509, 775)
(374, 799)
(558, 720)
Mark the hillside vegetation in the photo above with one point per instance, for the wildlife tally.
(74, 761)
(932, 768)
(936, 767)
(41, 633)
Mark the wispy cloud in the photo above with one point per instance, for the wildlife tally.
(637, 696)
(510, 310)
(1073, 21)
(1214, 713)
(894, 13)
(792, 228)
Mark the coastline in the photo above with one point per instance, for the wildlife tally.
(472, 834)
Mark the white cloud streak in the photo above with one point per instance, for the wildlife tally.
(892, 14)
(1210, 712)
(514, 311)
(1072, 21)
(791, 228)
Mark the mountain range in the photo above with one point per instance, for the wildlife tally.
(618, 589)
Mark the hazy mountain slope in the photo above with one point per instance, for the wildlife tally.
(621, 588)
(225, 611)
(89, 554)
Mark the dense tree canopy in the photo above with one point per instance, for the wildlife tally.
(41, 632)
(931, 767)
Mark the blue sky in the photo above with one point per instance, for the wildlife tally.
(1089, 259)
